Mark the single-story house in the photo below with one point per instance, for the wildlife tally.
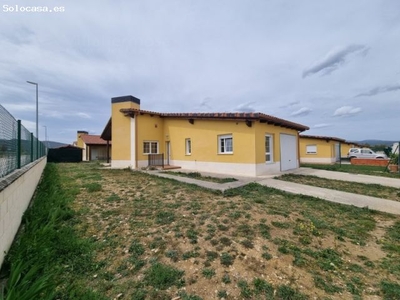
(93, 146)
(248, 144)
(319, 149)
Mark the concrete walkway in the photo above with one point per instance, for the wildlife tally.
(383, 205)
(360, 178)
(379, 204)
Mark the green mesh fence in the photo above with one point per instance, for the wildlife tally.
(18, 147)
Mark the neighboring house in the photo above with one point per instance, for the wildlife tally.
(93, 146)
(395, 148)
(345, 147)
(248, 144)
(319, 149)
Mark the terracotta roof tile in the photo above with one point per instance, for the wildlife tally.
(226, 115)
(93, 139)
(318, 137)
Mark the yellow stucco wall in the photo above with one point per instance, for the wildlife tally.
(149, 128)
(345, 147)
(324, 149)
(204, 139)
(121, 131)
(79, 141)
(262, 129)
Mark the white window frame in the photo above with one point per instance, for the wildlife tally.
(311, 149)
(151, 143)
(188, 146)
(271, 148)
(222, 139)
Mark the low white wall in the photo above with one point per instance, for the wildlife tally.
(16, 191)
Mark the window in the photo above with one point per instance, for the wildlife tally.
(269, 148)
(311, 149)
(188, 147)
(150, 147)
(225, 144)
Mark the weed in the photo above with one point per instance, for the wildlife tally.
(162, 276)
(113, 197)
(165, 217)
(189, 254)
(283, 225)
(264, 230)
(266, 255)
(326, 284)
(226, 279)
(172, 254)
(247, 244)
(93, 187)
(284, 292)
(226, 259)
(390, 290)
(208, 273)
(222, 294)
(211, 255)
(245, 290)
(225, 241)
(192, 235)
(261, 287)
(184, 296)
(136, 248)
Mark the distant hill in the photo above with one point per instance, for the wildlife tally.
(52, 144)
(376, 142)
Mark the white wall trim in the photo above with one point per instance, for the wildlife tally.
(120, 164)
(133, 143)
(317, 160)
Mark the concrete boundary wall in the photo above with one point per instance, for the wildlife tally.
(16, 191)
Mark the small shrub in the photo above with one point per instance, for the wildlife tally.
(247, 244)
(136, 248)
(172, 254)
(222, 294)
(165, 217)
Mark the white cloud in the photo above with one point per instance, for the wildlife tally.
(304, 111)
(245, 107)
(322, 125)
(380, 90)
(84, 115)
(334, 59)
(346, 111)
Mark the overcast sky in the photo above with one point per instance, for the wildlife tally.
(331, 65)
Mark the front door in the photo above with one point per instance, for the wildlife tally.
(167, 152)
(288, 152)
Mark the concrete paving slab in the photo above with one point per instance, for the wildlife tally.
(361, 178)
(383, 205)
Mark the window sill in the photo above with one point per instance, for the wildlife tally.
(226, 153)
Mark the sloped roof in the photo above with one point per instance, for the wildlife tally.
(320, 137)
(257, 116)
(90, 139)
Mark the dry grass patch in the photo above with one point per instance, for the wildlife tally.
(156, 238)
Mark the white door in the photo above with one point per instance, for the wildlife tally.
(337, 152)
(288, 152)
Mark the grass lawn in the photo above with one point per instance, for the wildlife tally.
(131, 235)
(367, 170)
(373, 190)
(197, 175)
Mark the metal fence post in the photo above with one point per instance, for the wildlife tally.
(31, 147)
(19, 145)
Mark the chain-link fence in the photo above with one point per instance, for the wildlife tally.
(18, 147)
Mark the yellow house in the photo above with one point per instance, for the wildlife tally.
(319, 149)
(93, 146)
(248, 144)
